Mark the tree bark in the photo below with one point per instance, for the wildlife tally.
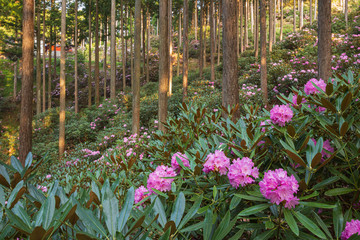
(212, 41)
(113, 51)
(196, 19)
(105, 58)
(185, 49)
(246, 32)
(282, 19)
(170, 48)
(274, 23)
(50, 67)
(90, 72)
(271, 20)
(301, 14)
(346, 13)
(179, 44)
(123, 47)
(201, 38)
(38, 64)
(324, 42)
(310, 12)
(230, 88)
(315, 10)
(205, 28)
(256, 29)
(76, 58)
(44, 64)
(97, 92)
(26, 112)
(241, 15)
(252, 16)
(137, 68)
(164, 62)
(15, 79)
(294, 18)
(263, 71)
(55, 57)
(62, 82)
(144, 40)
(219, 32)
(147, 46)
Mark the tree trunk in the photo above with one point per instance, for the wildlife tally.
(212, 41)
(62, 82)
(90, 73)
(113, 51)
(324, 42)
(164, 62)
(147, 45)
(179, 46)
(256, 29)
(252, 16)
(97, 92)
(15, 79)
(44, 64)
(144, 41)
(274, 23)
(201, 38)
(282, 18)
(170, 48)
(180, 29)
(123, 47)
(301, 14)
(241, 15)
(185, 49)
(263, 71)
(246, 32)
(219, 42)
(196, 19)
(76, 58)
(310, 12)
(205, 27)
(294, 18)
(49, 68)
(230, 88)
(54, 34)
(137, 68)
(346, 13)
(38, 64)
(315, 10)
(105, 58)
(131, 53)
(271, 20)
(26, 112)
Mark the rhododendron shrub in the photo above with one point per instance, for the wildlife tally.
(281, 114)
(242, 172)
(352, 228)
(179, 157)
(310, 88)
(217, 162)
(140, 194)
(159, 179)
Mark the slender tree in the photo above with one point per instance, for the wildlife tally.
(246, 27)
(49, 65)
(346, 13)
(201, 65)
(185, 49)
(62, 82)
(241, 15)
(26, 112)
(230, 88)
(105, 57)
(263, 71)
(15, 79)
(38, 64)
(256, 29)
(137, 61)
(196, 18)
(324, 36)
(55, 35)
(282, 18)
(212, 41)
(97, 92)
(164, 62)
(301, 14)
(170, 48)
(310, 11)
(147, 45)
(44, 64)
(294, 17)
(90, 72)
(271, 21)
(76, 58)
(113, 51)
(123, 48)
(219, 32)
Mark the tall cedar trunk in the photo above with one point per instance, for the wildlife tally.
(180, 29)
(76, 58)
(324, 36)
(97, 94)
(346, 13)
(252, 16)
(164, 62)
(179, 46)
(54, 34)
(219, 32)
(147, 45)
(216, 23)
(62, 82)
(26, 112)
(205, 27)
(44, 64)
(185, 49)
(310, 12)
(315, 10)
(274, 23)
(263, 71)
(170, 48)
(294, 17)
(282, 18)
(230, 88)
(212, 41)
(241, 15)
(246, 39)
(49, 66)
(271, 20)
(105, 58)
(38, 64)
(196, 19)
(113, 51)
(144, 41)
(123, 47)
(201, 38)
(15, 79)
(301, 14)
(137, 62)
(256, 29)
(89, 77)
(131, 52)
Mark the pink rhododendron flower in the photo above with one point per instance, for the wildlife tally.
(294, 100)
(327, 147)
(157, 181)
(351, 228)
(280, 114)
(242, 171)
(216, 162)
(278, 187)
(175, 165)
(309, 88)
(140, 194)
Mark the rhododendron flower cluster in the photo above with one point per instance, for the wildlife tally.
(281, 114)
(309, 88)
(140, 194)
(158, 179)
(351, 228)
(217, 162)
(278, 187)
(294, 100)
(174, 163)
(242, 171)
(327, 147)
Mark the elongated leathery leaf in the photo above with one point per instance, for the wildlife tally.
(178, 209)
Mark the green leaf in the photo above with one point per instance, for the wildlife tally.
(338, 191)
(16, 220)
(238, 235)
(310, 225)
(22, 214)
(322, 225)
(16, 164)
(338, 220)
(2, 196)
(159, 208)
(317, 205)
(314, 194)
(166, 236)
(326, 182)
(192, 211)
(254, 209)
(291, 221)
(178, 209)
(208, 224)
(14, 193)
(265, 235)
(111, 211)
(193, 227)
(234, 202)
(160, 193)
(220, 231)
(48, 212)
(87, 216)
(251, 198)
(28, 160)
(126, 209)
